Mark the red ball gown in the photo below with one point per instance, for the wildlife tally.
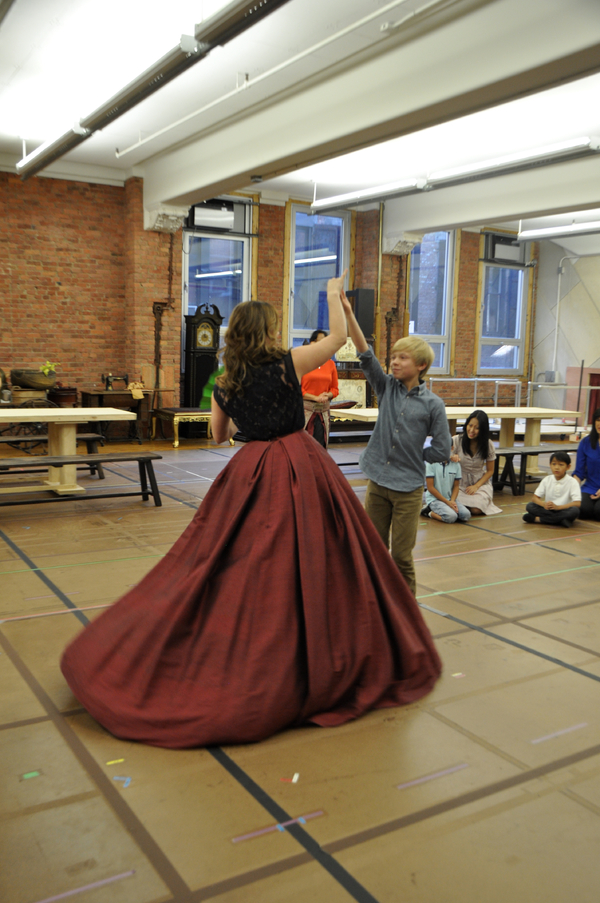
(278, 606)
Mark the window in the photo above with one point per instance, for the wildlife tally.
(430, 295)
(217, 268)
(503, 309)
(319, 251)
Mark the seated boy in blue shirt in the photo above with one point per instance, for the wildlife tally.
(394, 459)
(443, 481)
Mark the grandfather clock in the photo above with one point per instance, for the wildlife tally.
(201, 346)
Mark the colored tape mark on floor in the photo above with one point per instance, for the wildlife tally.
(278, 827)
(508, 545)
(30, 774)
(79, 564)
(80, 890)
(432, 777)
(126, 781)
(503, 639)
(46, 614)
(51, 596)
(465, 589)
(566, 730)
(348, 882)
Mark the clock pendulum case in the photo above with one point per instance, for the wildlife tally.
(201, 346)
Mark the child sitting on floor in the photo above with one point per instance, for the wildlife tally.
(557, 499)
(443, 481)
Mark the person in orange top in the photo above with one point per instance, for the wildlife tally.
(318, 388)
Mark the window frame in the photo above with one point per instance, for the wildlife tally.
(299, 335)
(245, 238)
(445, 338)
(519, 343)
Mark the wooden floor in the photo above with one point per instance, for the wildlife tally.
(487, 791)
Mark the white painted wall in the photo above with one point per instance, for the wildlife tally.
(578, 320)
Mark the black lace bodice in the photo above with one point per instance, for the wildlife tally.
(271, 404)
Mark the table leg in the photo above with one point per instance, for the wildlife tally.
(62, 440)
(175, 432)
(507, 433)
(533, 431)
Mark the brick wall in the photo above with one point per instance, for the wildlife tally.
(393, 310)
(271, 228)
(148, 258)
(367, 249)
(79, 278)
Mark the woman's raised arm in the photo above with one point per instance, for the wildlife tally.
(309, 357)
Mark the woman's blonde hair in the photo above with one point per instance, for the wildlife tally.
(250, 340)
(420, 351)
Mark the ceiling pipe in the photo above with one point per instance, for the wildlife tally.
(215, 31)
(250, 83)
(5, 6)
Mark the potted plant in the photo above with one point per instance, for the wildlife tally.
(44, 378)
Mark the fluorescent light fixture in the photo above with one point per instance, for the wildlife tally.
(553, 231)
(574, 146)
(303, 260)
(365, 194)
(56, 146)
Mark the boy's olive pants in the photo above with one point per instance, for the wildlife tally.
(400, 511)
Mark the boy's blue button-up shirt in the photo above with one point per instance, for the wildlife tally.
(395, 456)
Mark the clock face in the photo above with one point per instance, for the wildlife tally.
(204, 336)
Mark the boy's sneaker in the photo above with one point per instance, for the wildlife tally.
(529, 518)
(425, 512)
(565, 523)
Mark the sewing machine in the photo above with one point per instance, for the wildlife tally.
(110, 379)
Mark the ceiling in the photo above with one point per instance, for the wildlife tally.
(319, 99)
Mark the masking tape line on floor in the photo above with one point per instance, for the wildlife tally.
(331, 865)
(503, 639)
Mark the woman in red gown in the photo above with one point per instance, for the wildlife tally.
(279, 605)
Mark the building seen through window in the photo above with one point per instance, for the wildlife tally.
(318, 253)
(430, 294)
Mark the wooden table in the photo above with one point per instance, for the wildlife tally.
(117, 398)
(532, 416)
(62, 439)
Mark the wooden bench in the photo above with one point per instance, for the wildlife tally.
(175, 416)
(21, 465)
(517, 482)
(91, 441)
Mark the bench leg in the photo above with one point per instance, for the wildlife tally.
(509, 467)
(153, 484)
(143, 480)
(92, 449)
(523, 475)
(507, 475)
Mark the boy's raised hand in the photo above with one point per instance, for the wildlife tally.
(346, 304)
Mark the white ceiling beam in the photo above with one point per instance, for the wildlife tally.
(490, 53)
(543, 191)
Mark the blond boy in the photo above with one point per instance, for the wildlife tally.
(394, 460)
